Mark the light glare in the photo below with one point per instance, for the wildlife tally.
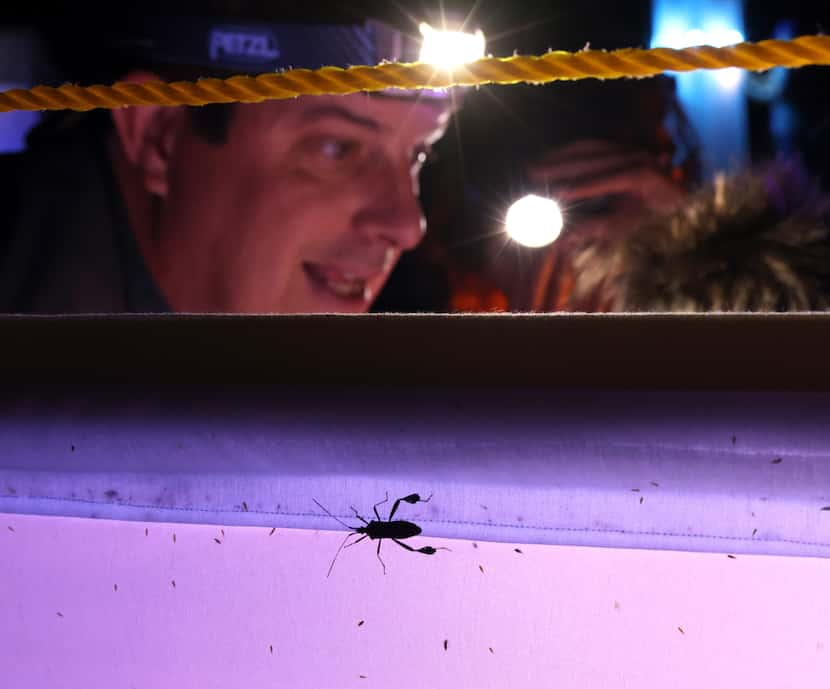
(717, 36)
(534, 221)
(729, 78)
(450, 49)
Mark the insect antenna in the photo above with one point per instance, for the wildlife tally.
(334, 559)
(331, 515)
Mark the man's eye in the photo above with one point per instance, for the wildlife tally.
(333, 155)
(338, 149)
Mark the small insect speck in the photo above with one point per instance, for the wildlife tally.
(146, 531)
(635, 490)
(362, 676)
(777, 460)
(60, 614)
(491, 649)
(115, 587)
(826, 509)
(475, 545)
(616, 605)
(222, 531)
(272, 531)
(360, 624)
(446, 643)
(481, 568)
(271, 648)
(11, 528)
(754, 531)
(484, 507)
(734, 439)
(680, 629)
(244, 506)
(655, 484)
(218, 541)
(174, 538)
(641, 499)
(517, 550)
(72, 448)
(732, 557)
(173, 581)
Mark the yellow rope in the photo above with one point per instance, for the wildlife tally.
(553, 66)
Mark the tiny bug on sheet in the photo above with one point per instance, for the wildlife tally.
(379, 530)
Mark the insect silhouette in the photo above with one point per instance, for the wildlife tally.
(379, 530)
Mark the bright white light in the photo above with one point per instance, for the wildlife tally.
(450, 49)
(729, 78)
(721, 36)
(717, 36)
(694, 37)
(534, 221)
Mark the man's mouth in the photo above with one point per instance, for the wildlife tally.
(342, 284)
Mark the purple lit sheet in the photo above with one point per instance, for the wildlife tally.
(256, 610)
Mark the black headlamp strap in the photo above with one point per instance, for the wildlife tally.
(257, 47)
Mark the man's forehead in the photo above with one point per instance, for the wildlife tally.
(382, 113)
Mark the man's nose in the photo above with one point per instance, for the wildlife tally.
(393, 212)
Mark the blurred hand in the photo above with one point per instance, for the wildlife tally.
(590, 169)
(605, 191)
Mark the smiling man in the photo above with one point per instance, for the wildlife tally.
(298, 206)
(305, 207)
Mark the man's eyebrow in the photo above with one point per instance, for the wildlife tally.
(323, 111)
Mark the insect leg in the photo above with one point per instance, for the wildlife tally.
(357, 541)
(379, 557)
(358, 516)
(375, 508)
(426, 550)
(411, 499)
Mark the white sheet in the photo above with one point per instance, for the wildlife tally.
(683, 471)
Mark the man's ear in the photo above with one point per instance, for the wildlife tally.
(147, 136)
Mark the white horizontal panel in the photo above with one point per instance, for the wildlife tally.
(718, 472)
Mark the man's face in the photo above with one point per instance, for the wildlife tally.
(306, 207)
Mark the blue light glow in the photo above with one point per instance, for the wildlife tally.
(14, 126)
(769, 86)
(713, 100)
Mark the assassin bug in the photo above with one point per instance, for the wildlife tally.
(379, 529)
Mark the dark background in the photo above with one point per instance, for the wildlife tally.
(500, 129)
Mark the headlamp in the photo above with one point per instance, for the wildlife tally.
(450, 49)
(257, 47)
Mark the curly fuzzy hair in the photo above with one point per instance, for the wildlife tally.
(753, 242)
